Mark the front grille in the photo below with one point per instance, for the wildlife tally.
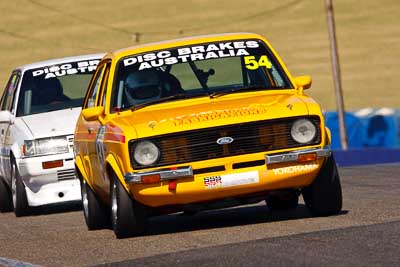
(200, 144)
(66, 174)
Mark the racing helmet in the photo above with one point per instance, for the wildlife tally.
(142, 86)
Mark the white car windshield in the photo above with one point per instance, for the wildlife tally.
(55, 87)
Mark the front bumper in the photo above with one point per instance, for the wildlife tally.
(164, 174)
(236, 176)
(187, 171)
(62, 191)
(53, 185)
(294, 156)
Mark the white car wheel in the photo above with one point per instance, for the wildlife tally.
(6, 204)
(18, 191)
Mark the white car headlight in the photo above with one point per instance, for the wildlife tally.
(146, 153)
(303, 131)
(46, 146)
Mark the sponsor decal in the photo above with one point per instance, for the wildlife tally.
(295, 169)
(213, 182)
(194, 53)
(229, 180)
(87, 66)
(218, 114)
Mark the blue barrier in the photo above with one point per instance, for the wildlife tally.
(381, 127)
(355, 129)
(366, 156)
(373, 136)
(367, 128)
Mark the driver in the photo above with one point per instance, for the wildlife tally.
(142, 86)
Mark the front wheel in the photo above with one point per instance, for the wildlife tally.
(18, 190)
(324, 196)
(6, 204)
(96, 215)
(128, 217)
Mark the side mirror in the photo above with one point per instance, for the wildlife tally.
(93, 113)
(6, 116)
(303, 81)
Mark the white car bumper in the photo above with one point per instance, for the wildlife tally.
(62, 191)
(48, 186)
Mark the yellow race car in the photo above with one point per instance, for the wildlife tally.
(200, 123)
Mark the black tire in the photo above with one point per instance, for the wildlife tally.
(96, 215)
(20, 201)
(6, 204)
(324, 196)
(128, 217)
(189, 212)
(286, 200)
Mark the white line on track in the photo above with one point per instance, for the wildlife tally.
(14, 263)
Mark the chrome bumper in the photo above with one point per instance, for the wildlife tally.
(165, 174)
(294, 155)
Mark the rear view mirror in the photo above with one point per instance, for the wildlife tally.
(303, 81)
(92, 114)
(6, 116)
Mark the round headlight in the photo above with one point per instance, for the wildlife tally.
(146, 153)
(303, 131)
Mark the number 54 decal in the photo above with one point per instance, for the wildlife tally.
(252, 63)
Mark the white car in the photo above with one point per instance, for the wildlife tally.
(38, 112)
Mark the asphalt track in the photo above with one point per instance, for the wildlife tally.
(366, 233)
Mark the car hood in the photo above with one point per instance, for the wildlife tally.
(205, 113)
(55, 123)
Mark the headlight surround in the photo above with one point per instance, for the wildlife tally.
(146, 153)
(303, 131)
(46, 146)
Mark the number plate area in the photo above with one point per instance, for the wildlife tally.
(230, 180)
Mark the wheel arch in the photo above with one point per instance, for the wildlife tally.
(7, 167)
(79, 169)
(112, 165)
(16, 151)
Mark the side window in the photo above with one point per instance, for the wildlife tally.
(103, 92)
(9, 92)
(94, 88)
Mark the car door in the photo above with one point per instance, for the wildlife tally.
(86, 131)
(100, 178)
(93, 130)
(7, 113)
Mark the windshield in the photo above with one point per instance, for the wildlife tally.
(209, 69)
(55, 87)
